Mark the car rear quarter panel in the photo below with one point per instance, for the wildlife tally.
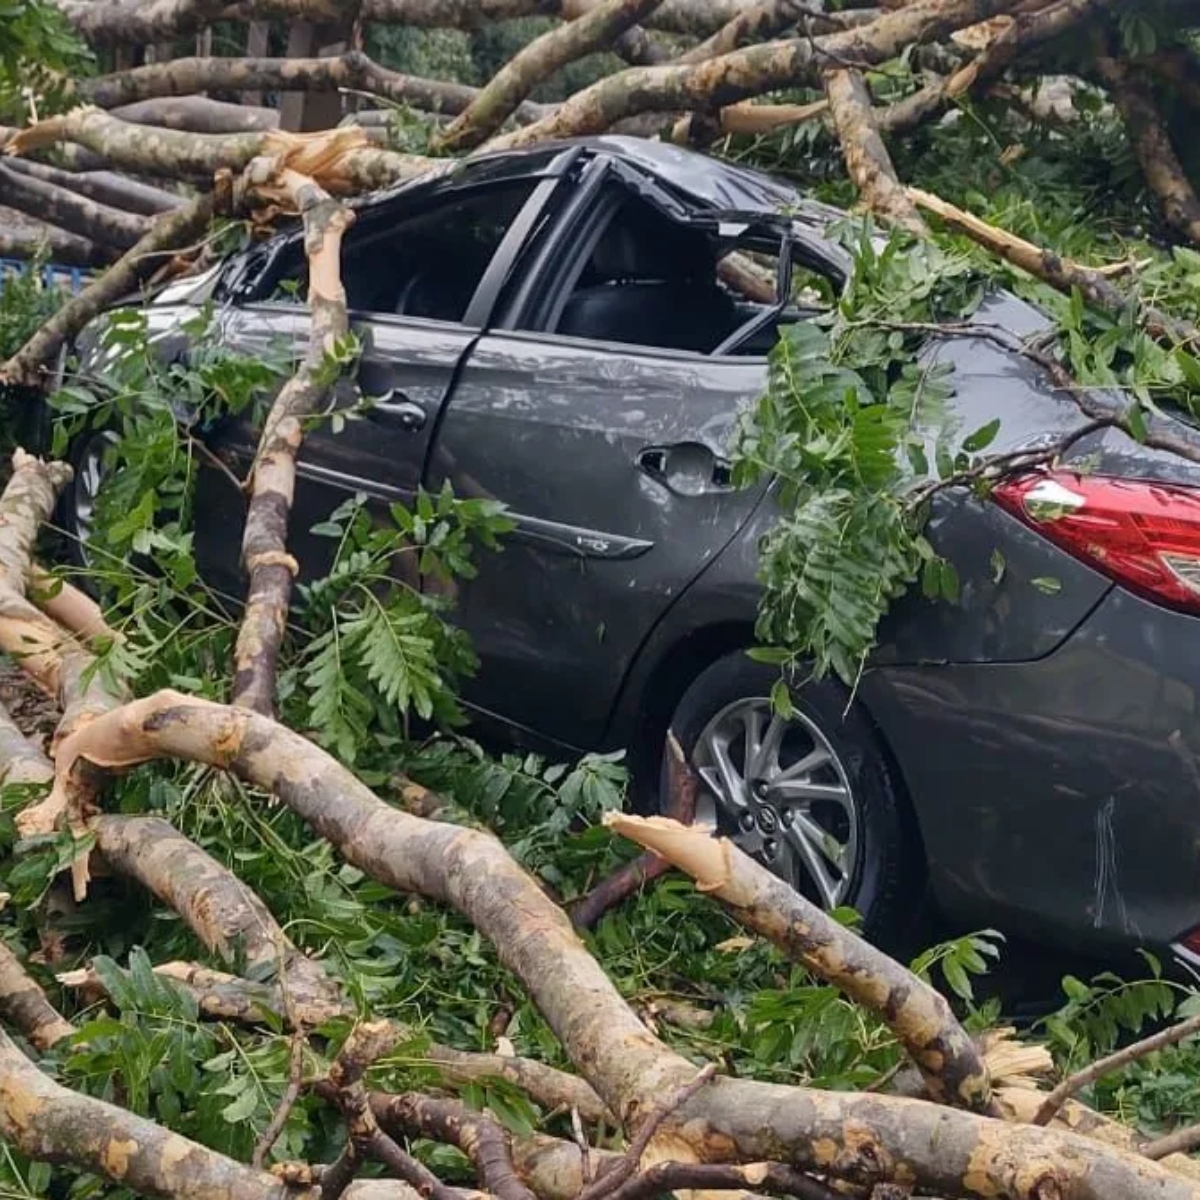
(1061, 797)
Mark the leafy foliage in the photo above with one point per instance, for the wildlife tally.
(843, 427)
(39, 57)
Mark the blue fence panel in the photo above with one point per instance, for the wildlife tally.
(73, 279)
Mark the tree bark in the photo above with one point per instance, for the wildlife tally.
(1062, 273)
(340, 160)
(867, 160)
(85, 218)
(538, 61)
(24, 1003)
(198, 114)
(268, 565)
(863, 1139)
(114, 22)
(224, 914)
(751, 71)
(63, 248)
(185, 76)
(169, 232)
(52, 1124)
(104, 187)
(949, 1061)
(1152, 145)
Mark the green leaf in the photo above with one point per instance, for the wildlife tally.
(982, 437)
(1048, 585)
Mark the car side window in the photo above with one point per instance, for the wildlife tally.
(651, 281)
(426, 262)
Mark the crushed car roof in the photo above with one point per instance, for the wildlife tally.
(708, 182)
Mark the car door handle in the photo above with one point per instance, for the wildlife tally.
(687, 467)
(395, 408)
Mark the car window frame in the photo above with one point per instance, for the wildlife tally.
(542, 189)
(602, 193)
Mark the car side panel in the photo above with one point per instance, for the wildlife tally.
(553, 428)
(1061, 797)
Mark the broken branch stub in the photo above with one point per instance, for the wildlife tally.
(948, 1059)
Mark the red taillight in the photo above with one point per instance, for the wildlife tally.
(1144, 535)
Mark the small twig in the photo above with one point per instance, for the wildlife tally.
(1113, 1062)
(338, 1176)
(585, 1150)
(682, 786)
(1180, 1142)
(287, 1102)
(383, 1149)
(613, 1179)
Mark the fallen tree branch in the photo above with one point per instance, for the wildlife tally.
(198, 114)
(948, 1059)
(53, 1124)
(267, 564)
(24, 1003)
(1113, 1062)
(1180, 1141)
(751, 71)
(169, 232)
(104, 187)
(682, 786)
(227, 917)
(1152, 144)
(478, 1135)
(187, 76)
(1025, 32)
(767, 19)
(69, 607)
(867, 160)
(62, 248)
(1061, 273)
(225, 997)
(340, 160)
(627, 1165)
(142, 22)
(538, 61)
(54, 660)
(68, 210)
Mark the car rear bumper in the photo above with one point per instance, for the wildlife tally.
(1062, 796)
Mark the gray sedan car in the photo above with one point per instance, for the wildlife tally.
(564, 329)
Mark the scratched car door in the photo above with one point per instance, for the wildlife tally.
(613, 459)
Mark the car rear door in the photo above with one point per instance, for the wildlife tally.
(421, 277)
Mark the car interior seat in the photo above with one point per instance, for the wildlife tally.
(652, 283)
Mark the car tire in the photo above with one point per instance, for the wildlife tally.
(848, 790)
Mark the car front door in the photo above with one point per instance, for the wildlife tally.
(611, 449)
(420, 279)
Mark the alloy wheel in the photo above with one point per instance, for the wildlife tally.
(777, 788)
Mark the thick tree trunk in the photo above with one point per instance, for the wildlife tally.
(198, 114)
(104, 187)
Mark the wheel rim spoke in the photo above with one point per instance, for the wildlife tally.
(766, 755)
(818, 757)
(722, 776)
(831, 890)
(803, 791)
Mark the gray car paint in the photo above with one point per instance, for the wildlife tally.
(1048, 742)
